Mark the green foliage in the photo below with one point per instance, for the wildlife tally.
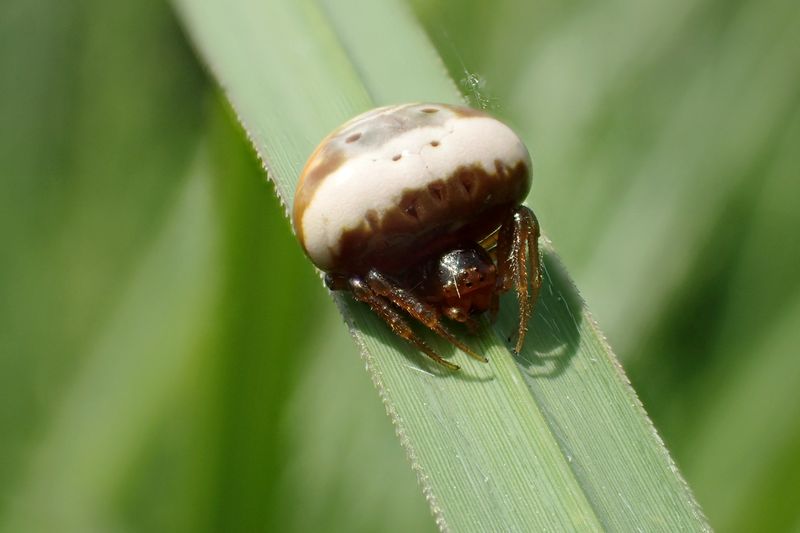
(169, 362)
(160, 361)
(665, 143)
(560, 416)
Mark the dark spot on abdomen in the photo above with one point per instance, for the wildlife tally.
(411, 208)
(438, 191)
(468, 183)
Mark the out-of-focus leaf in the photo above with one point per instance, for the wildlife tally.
(671, 131)
(554, 439)
(91, 166)
(129, 374)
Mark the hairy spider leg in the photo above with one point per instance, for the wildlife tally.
(533, 250)
(518, 264)
(422, 311)
(383, 308)
(489, 243)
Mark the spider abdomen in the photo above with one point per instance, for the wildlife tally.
(401, 182)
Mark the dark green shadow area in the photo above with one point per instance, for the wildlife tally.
(553, 336)
(101, 107)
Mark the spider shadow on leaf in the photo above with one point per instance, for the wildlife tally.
(362, 320)
(553, 335)
(551, 342)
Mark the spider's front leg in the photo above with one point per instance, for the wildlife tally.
(386, 311)
(422, 311)
(518, 264)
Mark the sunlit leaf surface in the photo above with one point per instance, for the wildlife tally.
(170, 362)
(552, 439)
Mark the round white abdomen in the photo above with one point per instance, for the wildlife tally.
(368, 167)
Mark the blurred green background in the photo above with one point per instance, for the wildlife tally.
(170, 362)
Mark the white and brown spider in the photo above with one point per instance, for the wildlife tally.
(406, 206)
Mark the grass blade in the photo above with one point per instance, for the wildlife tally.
(554, 439)
(136, 365)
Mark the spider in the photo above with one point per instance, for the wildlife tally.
(416, 210)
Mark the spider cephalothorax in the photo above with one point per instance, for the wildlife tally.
(405, 206)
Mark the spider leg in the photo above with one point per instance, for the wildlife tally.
(417, 308)
(490, 243)
(383, 308)
(518, 264)
(535, 270)
(505, 263)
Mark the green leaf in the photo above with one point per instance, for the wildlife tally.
(131, 371)
(689, 202)
(553, 439)
(646, 145)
